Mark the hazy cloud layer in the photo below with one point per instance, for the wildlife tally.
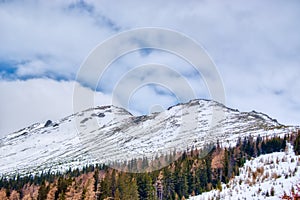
(37, 100)
(255, 46)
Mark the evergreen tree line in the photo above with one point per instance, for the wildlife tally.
(191, 174)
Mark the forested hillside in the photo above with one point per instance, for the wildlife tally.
(190, 175)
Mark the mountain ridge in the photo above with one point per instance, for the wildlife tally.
(170, 107)
(115, 134)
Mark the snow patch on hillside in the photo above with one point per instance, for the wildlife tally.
(278, 172)
(106, 134)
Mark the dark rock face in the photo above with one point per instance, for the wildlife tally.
(48, 123)
(101, 115)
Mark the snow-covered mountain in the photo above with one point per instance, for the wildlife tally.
(270, 176)
(109, 133)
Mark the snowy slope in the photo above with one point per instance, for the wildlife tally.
(280, 171)
(110, 133)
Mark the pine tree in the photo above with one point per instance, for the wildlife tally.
(133, 190)
(117, 194)
(226, 166)
(219, 185)
(185, 187)
(272, 191)
(127, 187)
(83, 194)
(169, 184)
(145, 186)
(96, 175)
(202, 174)
(113, 185)
(150, 188)
(62, 186)
(297, 144)
(105, 186)
(43, 191)
(145, 163)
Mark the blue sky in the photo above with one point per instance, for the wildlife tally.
(255, 46)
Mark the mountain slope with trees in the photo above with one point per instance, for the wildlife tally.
(189, 175)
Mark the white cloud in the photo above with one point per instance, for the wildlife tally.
(137, 104)
(49, 32)
(272, 90)
(36, 67)
(37, 100)
(255, 45)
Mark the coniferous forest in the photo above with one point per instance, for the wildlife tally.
(191, 174)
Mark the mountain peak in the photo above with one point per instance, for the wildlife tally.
(109, 133)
